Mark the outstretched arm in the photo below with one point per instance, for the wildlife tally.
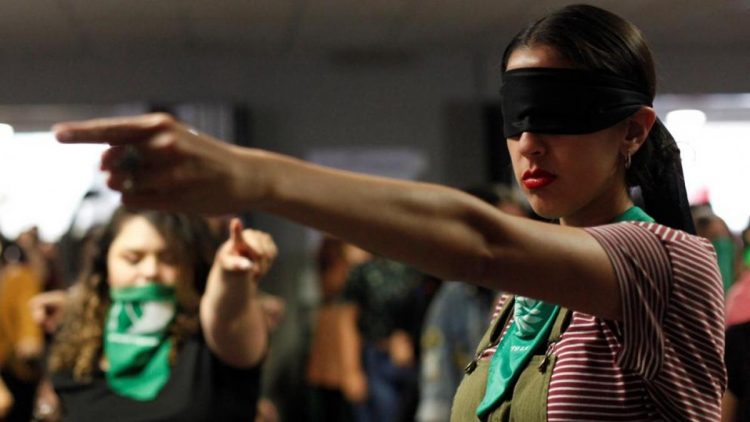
(231, 313)
(436, 229)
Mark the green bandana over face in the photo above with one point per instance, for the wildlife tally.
(135, 340)
(532, 322)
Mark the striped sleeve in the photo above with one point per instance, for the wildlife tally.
(643, 271)
(672, 332)
(673, 315)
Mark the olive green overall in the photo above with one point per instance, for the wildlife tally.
(528, 401)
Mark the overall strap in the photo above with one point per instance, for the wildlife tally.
(561, 322)
(492, 335)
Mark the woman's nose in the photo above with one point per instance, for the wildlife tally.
(149, 268)
(531, 144)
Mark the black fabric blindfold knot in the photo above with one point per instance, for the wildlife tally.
(566, 101)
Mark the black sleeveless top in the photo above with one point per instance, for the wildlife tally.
(200, 388)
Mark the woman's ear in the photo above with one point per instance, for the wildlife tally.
(639, 125)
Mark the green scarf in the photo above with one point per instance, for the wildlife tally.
(532, 321)
(634, 214)
(136, 343)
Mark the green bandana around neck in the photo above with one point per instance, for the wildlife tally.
(634, 213)
(532, 322)
(136, 343)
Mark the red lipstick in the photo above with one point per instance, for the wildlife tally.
(537, 178)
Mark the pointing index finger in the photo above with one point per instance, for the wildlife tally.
(114, 131)
(238, 242)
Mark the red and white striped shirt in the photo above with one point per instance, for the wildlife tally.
(664, 360)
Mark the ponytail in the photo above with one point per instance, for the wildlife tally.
(657, 170)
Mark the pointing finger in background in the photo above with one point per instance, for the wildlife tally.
(238, 254)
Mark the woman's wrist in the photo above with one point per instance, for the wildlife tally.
(251, 176)
(230, 288)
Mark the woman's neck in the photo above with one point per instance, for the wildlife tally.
(603, 211)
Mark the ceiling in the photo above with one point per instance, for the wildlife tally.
(376, 29)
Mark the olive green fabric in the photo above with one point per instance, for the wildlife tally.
(532, 322)
(529, 395)
(471, 390)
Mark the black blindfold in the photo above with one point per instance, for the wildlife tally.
(566, 101)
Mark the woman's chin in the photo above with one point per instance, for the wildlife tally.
(546, 210)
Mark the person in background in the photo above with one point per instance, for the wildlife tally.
(21, 340)
(715, 229)
(456, 319)
(379, 313)
(324, 373)
(621, 304)
(738, 297)
(736, 401)
(149, 333)
(48, 309)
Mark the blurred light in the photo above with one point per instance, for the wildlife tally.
(686, 119)
(6, 131)
(48, 201)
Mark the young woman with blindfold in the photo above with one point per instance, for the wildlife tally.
(616, 312)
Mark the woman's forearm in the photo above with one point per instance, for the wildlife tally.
(441, 231)
(437, 229)
(233, 322)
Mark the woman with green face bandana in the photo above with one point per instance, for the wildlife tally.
(154, 331)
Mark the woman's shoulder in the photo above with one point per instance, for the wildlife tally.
(665, 253)
(639, 233)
